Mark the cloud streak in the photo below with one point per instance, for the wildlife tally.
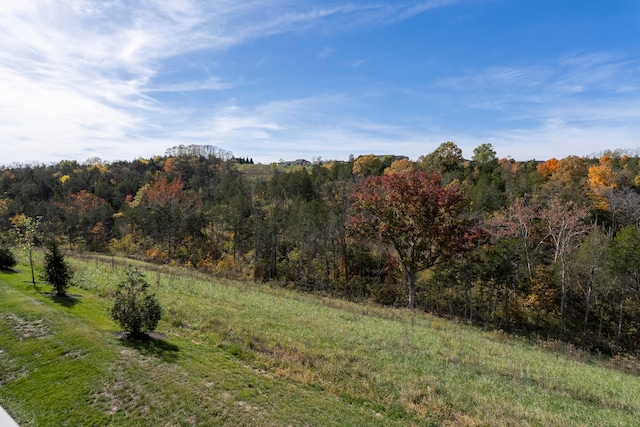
(81, 77)
(83, 73)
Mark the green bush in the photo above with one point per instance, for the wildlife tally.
(57, 271)
(7, 259)
(135, 310)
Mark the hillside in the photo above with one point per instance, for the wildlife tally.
(541, 249)
(237, 353)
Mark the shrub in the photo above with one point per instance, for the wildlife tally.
(7, 259)
(135, 310)
(57, 271)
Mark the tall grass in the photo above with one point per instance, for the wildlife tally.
(237, 352)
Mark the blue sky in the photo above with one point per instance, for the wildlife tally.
(288, 79)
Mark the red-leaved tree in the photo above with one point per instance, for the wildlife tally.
(414, 214)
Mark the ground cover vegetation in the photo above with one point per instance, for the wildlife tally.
(543, 249)
(240, 353)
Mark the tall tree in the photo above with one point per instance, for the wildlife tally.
(486, 183)
(169, 207)
(518, 221)
(26, 229)
(446, 160)
(413, 214)
(400, 166)
(624, 265)
(548, 168)
(602, 180)
(368, 165)
(590, 271)
(57, 271)
(566, 227)
(83, 214)
(484, 156)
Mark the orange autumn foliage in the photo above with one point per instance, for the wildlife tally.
(602, 179)
(548, 168)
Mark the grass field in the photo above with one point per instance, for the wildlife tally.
(235, 353)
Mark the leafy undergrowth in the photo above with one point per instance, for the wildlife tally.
(234, 353)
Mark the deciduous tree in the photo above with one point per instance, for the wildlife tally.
(82, 212)
(446, 160)
(169, 207)
(548, 168)
(624, 265)
(590, 271)
(602, 180)
(400, 166)
(26, 230)
(566, 227)
(413, 214)
(367, 165)
(518, 221)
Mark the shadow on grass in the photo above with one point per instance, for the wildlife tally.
(150, 344)
(9, 271)
(67, 301)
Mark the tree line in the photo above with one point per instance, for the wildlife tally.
(547, 249)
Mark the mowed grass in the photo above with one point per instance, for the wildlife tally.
(236, 353)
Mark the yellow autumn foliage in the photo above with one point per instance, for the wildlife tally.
(602, 179)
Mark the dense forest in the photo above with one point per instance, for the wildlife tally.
(545, 249)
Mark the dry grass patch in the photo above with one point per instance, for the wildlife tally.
(26, 329)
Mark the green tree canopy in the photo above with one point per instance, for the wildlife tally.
(445, 160)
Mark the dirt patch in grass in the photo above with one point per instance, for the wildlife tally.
(10, 370)
(119, 394)
(26, 329)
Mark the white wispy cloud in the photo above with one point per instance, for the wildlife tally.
(581, 103)
(87, 77)
(212, 83)
(411, 10)
(304, 128)
(80, 75)
(325, 53)
(571, 74)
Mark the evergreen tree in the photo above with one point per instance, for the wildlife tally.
(135, 310)
(57, 272)
(7, 259)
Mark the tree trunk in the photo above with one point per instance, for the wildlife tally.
(33, 277)
(490, 303)
(563, 298)
(620, 317)
(411, 287)
(506, 318)
(600, 323)
(587, 308)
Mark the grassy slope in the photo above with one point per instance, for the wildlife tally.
(242, 354)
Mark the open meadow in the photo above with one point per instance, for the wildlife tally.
(239, 353)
